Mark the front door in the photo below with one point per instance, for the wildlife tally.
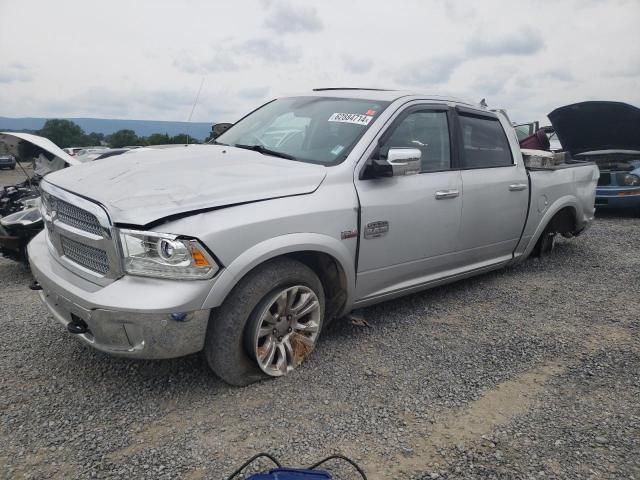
(410, 225)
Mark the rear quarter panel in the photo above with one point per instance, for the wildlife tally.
(553, 190)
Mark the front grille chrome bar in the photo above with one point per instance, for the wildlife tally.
(81, 236)
(77, 217)
(94, 259)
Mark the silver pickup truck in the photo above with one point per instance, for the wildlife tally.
(306, 208)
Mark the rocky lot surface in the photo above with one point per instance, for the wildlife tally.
(529, 372)
(10, 177)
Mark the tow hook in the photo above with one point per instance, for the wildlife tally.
(77, 326)
(35, 285)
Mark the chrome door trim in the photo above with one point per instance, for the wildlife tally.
(444, 194)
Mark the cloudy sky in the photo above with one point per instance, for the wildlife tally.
(147, 59)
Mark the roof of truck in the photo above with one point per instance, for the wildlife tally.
(383, 94)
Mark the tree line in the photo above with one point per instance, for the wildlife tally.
(66, 133)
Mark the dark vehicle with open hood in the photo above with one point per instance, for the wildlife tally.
(607, 133)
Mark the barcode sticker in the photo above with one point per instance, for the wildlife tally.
(357, 118)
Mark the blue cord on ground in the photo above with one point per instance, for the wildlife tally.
(284, 473)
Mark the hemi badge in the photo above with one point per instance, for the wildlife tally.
(376, 229)
(348, 234)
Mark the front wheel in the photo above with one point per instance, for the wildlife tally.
(268, 325)
(284, 329)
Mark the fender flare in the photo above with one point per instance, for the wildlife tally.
(559, 204)
(276, 247)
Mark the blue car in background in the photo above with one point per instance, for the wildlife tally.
(607, 133)
(619, 183)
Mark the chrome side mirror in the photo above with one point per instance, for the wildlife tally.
(399, 162)
(404, 161)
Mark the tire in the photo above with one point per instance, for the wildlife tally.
(544, 245)
(233, 327)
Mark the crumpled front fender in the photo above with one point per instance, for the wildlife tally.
(278, 246)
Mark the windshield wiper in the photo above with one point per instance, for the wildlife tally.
(265, 151)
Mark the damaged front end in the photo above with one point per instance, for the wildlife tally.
(20, 217)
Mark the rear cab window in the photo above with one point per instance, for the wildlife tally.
(484, 142)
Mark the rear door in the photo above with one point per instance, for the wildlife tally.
(495, 189)
(410, 224)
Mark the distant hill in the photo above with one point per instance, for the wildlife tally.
(143, 128)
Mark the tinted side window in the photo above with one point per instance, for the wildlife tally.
(427, 131)
(485, 143)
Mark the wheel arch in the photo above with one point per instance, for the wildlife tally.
(329, 258)
(564, 221)
(563, 213)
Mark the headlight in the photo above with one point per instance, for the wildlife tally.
(631, 180)
(24, 217)
(164, 255)
(31, 202)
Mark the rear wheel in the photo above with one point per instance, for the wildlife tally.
(546, 242)
(268, 325)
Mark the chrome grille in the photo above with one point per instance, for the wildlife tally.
(80, 235)
(77, 217)
(94, 259)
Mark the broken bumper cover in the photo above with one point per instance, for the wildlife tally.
(618, 197)
(172, 331)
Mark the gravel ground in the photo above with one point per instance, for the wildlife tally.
(10, 177)
(529, 372)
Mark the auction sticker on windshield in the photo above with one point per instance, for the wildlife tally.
(357, 118)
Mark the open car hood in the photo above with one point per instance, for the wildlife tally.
(597, 126)
(141, 188)
(44, 143)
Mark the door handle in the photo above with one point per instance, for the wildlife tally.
(516, 187)
(443, 194)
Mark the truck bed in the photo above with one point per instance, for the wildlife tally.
(544, 160)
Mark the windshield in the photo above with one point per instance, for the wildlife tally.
(309, 129)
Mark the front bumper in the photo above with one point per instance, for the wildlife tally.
(140, 326)
(618, 197)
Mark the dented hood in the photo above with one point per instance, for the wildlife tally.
(597, 126)
(141, 188)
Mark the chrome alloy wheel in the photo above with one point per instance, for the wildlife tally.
(287, 330)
